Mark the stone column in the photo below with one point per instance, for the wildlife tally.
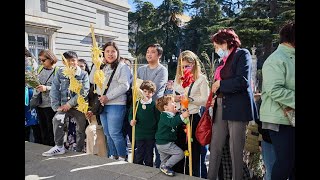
(26, 40)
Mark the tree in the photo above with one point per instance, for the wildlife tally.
(196, 34)
(167, 21)
(259, 23)
(141, 26)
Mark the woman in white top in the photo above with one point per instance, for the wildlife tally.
(198, 93)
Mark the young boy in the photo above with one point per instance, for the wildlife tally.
(146, 121)
(64, 103)
(166, 135)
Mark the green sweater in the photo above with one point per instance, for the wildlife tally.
(167, 128)
(147, 120)
(278, 85)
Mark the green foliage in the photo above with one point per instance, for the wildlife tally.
(196, 35)
(256, 22)
(140, 27)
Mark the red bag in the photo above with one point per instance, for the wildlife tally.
(204, 128)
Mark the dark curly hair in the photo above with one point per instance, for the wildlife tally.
(228, 36)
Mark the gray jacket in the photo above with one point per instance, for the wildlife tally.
(60, 93)
(45, 77)
(119, 85)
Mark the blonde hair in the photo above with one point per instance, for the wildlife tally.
(164, 100)
(190, 57)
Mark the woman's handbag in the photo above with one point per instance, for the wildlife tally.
(290, 113)
(253, 138)
(97, 108)
(204, 128)
(36, 100)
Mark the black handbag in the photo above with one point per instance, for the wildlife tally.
(36, 100)
(97, 108)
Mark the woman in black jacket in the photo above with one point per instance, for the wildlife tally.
(234, 106)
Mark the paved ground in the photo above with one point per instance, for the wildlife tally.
(80, 166)
(129, 155)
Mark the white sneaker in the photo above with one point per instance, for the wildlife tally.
(112, 157)
(121, 159)
(54, 151)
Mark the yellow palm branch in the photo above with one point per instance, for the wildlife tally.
(75, 85)
(82, 104)
(96, 55)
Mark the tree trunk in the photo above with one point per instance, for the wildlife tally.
(273, 8)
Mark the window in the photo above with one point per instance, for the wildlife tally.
(37, 42)
(43, 5)
(102, 40)
(102, 18)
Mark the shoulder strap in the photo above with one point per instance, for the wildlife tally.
(40, 69)
(56, 68)
(49, 77)
(209, 100)
(109, 82)
(190, 88)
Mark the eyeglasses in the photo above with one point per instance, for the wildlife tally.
(42, 60)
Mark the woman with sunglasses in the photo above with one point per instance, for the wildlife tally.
(198, 93)
(46, 73)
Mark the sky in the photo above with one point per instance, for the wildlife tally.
(156, 3)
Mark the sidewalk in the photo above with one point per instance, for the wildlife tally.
(81, 166)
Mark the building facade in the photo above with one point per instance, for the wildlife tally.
(63, 25)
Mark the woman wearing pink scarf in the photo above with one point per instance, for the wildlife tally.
(234, 106)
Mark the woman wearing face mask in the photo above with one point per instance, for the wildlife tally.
(114, 101)
(234, 106)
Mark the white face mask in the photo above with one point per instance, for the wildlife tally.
(222, 53)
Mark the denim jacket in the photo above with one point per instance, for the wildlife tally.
(60, 94)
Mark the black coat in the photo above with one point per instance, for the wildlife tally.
(237, 100)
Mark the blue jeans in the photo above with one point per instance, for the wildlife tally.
(284, 146)
(268, 157)
(112, 122)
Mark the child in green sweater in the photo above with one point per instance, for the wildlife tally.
(146, 121)
(166, 135)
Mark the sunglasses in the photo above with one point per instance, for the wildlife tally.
(42, 60)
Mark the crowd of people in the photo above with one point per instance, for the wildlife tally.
(160, 121)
